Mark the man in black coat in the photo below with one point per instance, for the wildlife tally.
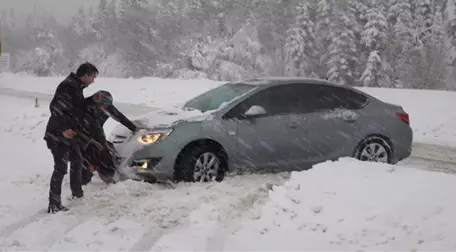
(61, 136)
(97, 151)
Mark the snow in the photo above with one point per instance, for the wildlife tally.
(341, 205)
(169, 116)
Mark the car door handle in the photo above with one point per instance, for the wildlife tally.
(349, 119)
(293, 125)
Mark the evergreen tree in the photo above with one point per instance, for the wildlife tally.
(299, 47)
(343, 52)
(374, 38)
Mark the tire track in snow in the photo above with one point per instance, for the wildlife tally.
(37, 225)
(237, 214)
(23, 222)
(222, 196)
(40, 214)
(149, 238)
(51, 234)
(432, 157)
(135, 215)
(14, 236)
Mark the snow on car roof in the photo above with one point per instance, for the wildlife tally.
(282, 80)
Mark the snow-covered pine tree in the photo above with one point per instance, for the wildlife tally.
(374, 38)
(424, 20)
(361, 8)
(78, 23)
(343, 52)
(135, 37)
(400, 42)
(300, 48)
(450, 20)
(438, 29)
(324, 12)
(400, 19)
(100, 21)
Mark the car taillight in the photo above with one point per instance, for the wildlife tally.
(404, 117)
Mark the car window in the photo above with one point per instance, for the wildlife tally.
(215, 98)
(276, 100)
(332, 97)
(300, 98)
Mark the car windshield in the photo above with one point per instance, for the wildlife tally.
(214, 98)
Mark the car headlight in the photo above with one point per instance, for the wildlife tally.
(154, 136)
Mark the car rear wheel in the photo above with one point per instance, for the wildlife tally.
(375, 149)
(201, 164)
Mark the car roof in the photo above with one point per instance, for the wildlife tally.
(274, 81)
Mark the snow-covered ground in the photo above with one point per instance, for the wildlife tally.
(343, 205)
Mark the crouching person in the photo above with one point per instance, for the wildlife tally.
(98, 153)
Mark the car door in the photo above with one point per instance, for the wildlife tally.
(332, 119)
(267, 141)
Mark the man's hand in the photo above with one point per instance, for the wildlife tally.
(91, 168)
(69, 133)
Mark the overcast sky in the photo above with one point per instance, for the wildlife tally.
(63, 10)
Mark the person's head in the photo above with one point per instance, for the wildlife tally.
(103, 99)
(87, 73)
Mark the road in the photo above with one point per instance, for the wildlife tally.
(424, 155)
(432, 157)
(131, 109)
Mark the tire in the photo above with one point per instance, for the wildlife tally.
(383, 152)
(186, 166)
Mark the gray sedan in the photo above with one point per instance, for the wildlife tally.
(265, 124)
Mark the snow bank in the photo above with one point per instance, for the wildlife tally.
(343, 205)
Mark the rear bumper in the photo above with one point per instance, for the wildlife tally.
(403, 145)
(402, 153)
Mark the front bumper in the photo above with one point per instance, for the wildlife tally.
(149, 169)
(147, 162)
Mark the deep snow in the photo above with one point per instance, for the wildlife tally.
(343, 205)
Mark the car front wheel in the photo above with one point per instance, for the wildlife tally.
(204, 163)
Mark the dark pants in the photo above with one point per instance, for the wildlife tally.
(65, 151)
(102, 160)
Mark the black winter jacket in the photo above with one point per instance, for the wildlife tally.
(95, 119)
(67, 108)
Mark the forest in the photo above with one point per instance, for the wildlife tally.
(373, 43)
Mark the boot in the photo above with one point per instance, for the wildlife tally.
(77, 195)
(54, 208)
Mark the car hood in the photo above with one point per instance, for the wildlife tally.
(165, 118)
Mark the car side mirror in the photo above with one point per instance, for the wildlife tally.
(255, 110)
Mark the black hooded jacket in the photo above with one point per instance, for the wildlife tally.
(95, 119)
(67, 108)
